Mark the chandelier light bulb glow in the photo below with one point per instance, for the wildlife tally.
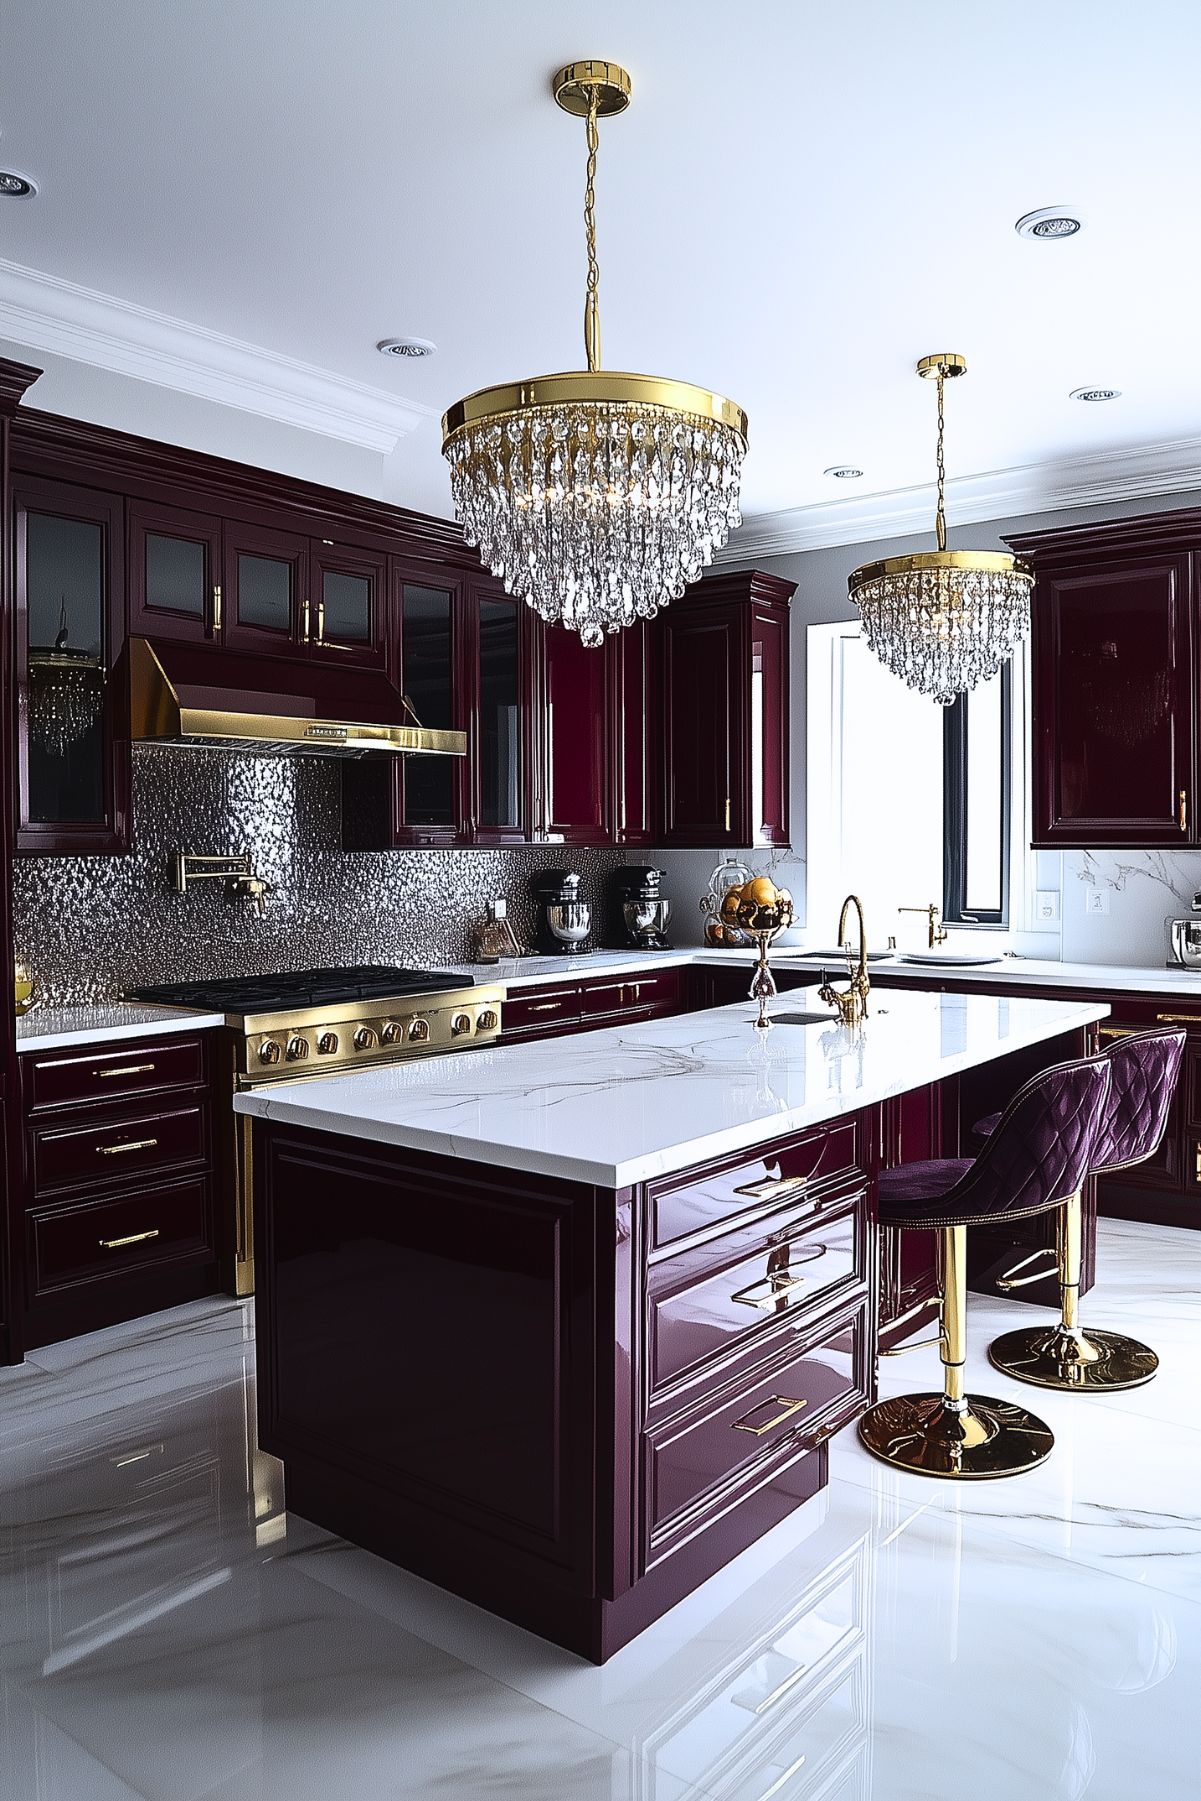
(595, 496)
(944, 620)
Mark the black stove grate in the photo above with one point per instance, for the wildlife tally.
(300, 988)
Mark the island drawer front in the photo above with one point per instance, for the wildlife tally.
(80, 1242)
(801, 1169)
(699, 1465)
(112, 1150)
(532, 1012)
(705, 1303)
(110, 1072)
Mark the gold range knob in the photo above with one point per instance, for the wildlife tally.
(389, 1032)
(327, 1044)
(460, 1025)
(268, 1051)
(297, 1049)
(419, 1031)
(487, 1021)
(365, 1039)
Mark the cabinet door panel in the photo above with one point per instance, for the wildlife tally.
(73, 755)
(705, 726)
(429, 658)
(1113, 728)
(348, 588)
(575, 739)
(769, 727)
(265, 591)
(634, 721)
(174, 573)
(499, 688)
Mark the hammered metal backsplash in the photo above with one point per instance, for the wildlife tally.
(89, 927)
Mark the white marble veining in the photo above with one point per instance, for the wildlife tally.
(168, 1634)
(51, 1028)
(632, 1102)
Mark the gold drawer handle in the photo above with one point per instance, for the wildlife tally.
(118, 1244)
(1179, 1019)
(774, 1185)
(785, 1402)
(545, 1007)
(1119, 1031)
(119, 1150)
(763, 1294)
(1182, 810)
(124, 1069)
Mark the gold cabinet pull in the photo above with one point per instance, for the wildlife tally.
(774, 1187)
(135, 1144)
(1179, 1019)
(1182, 810)
(216, 606)
(545, 1007)
(788, 1407)
(765, 1293)
(1197, 1164)
(1119, 1031)
(118, 1244)
(123, 1069)
(305, 621)
(321, 622)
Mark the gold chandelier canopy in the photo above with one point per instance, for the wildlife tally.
(595, 495)
(944, 620)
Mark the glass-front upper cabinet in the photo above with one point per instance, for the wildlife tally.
(429, 806)
(499, 688)
(73, 757)
(265, 595)
(345, 610)
(174, 573)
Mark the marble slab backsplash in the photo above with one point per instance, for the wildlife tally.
(1141, 891)
(89, 927)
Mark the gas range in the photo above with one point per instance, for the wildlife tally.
(307, 1023)
(314, 1022)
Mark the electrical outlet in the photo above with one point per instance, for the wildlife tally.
(1046, 903)
(1096, 900)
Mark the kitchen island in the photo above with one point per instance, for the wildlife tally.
(565, 1326)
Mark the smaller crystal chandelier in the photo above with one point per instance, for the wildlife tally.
(944, 620)
(66, 691)
(595, 496)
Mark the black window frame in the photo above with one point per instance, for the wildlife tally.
(954, 812)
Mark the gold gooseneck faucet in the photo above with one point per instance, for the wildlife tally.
(851, 1001)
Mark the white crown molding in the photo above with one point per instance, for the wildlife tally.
(1106, 475)
(46, 313)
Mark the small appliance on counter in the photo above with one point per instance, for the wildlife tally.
(638, 912)
(1184, 937)
(564, 921)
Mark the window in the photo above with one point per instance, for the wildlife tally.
(907, 802)
(976, 790)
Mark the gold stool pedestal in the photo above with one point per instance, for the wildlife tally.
(921, 1433)
(1058, 1357)
(1065, 1355)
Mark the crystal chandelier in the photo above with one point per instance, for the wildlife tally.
(66, 692)
(944, 620)
(595, 496)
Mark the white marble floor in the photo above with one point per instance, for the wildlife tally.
(167, 1633)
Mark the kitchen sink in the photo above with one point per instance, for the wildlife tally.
(803, 1019)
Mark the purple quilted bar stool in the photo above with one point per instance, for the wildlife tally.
(1145, 1068)
(1040, 1153)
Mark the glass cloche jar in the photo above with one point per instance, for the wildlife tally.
(730, 873)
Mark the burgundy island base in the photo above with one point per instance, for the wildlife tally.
(564, 1327)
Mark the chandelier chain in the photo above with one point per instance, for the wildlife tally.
(592, 298)
(940, 520)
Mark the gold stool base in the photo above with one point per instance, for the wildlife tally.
(921, 1433)
(1057, 1357)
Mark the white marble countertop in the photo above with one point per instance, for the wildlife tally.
(535, 972)
(51, 1028)
(632, 1102)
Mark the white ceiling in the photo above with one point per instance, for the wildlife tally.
(803, 199)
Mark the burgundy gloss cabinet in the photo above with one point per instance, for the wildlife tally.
(570, 1404)
(1116, 660)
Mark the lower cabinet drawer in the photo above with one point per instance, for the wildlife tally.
(699, 1465)
(705, 1302)
(529, 1013)
(112, 1071)
(111, 1151)
(795, 1170)
(625, 996)
(85, 1241)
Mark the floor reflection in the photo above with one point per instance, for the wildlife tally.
(167, 1631)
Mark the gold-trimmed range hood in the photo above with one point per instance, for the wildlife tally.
(201, 697)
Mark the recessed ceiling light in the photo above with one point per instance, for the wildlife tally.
(843, 472)
(1049, 223)
(1093, 394)
(14, 186)
(414, 347)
